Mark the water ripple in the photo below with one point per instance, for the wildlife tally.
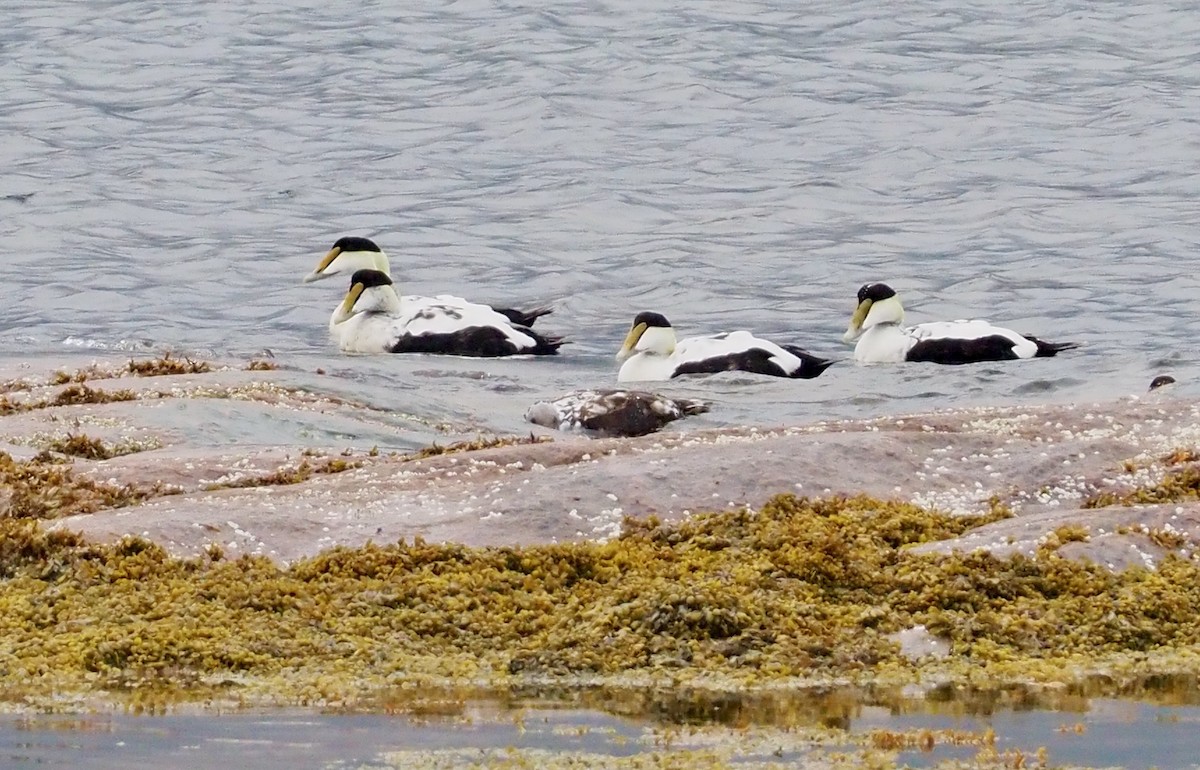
(172, 171)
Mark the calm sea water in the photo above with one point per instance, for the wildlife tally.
(1104, 733)
(172, 170)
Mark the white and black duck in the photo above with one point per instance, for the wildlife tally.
(651, 352)
(373, 318)
(351, 253)
(879, 336)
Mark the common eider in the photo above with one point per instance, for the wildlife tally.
(351, 253)
(374, 319)
(651, 352)
(612, 412)
(881, 339)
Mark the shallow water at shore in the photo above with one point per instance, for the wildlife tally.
(1077, 731)
(1109, 733)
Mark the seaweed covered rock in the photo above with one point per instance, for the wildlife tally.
(802, 590)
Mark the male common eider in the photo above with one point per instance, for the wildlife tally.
(612, 412)
(351, 253)
(881, 338)
(374, 319)
(650, 352)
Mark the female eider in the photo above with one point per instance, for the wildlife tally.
(881, 338)
(351, 253)
(374, 319)
(612, 412)
(650, 352)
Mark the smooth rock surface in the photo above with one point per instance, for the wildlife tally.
(1042, 461)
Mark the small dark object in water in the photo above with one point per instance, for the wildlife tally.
(1161, 380)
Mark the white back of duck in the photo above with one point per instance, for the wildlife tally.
(717, 346)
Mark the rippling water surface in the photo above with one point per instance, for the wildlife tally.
(1100, 733)
(172, 170)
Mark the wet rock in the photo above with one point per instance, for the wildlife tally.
(1042, 461)
(917, 644)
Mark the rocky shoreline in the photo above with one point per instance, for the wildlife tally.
(1042, 462)
(148, 562)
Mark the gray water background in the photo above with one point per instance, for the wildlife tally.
(171, 171)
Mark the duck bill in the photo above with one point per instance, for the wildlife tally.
(319, 272)
(631, 340)
(856, 321)
(347, 306)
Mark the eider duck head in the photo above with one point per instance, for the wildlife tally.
(370, 292)
(877, 304)
(650, 333)
(350, 253)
